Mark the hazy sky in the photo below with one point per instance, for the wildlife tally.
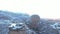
(44, 8)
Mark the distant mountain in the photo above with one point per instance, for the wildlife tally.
(6, 16)
(14, 17)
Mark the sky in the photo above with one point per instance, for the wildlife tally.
(44, 8)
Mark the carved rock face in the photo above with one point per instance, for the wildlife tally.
(35, 18)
